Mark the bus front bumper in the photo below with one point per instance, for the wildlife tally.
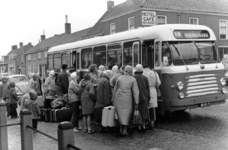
(197, 101)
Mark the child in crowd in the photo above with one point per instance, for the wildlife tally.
(32, 106)
(13, 100)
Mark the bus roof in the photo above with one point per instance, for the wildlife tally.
(162, 32)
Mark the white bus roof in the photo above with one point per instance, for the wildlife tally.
(162, 32)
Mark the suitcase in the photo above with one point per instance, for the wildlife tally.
(108, 117)
(40, 101)
(61, 115)
(47, 115)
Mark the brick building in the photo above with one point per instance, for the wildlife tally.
(4, 64)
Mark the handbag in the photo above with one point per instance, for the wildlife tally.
(137, 118)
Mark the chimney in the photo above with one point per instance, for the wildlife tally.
(21, 44)
(67, 27)
(14, 47)
(110, 4)
(42, 37)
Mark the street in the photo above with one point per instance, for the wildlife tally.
(202, 129)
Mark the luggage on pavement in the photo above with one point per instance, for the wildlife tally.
(108, 117)
(47, 115)
(40, 101)
(63, 114)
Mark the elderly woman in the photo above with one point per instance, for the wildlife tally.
(94, 74)
(144, 94)
(73, 92)
(154, 80)
(100, 71)
(36, 85)
(31, 80)
(116, 74)
(126, 94)
(104, 95)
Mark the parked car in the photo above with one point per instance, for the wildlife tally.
(21, 82)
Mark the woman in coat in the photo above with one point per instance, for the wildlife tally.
(49, 83)
(154, 80)
(104, 95)
(116, 74)
(126, 94)
(87, 100)
(73, 91)
(144, 93)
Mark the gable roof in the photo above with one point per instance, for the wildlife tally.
(129, 6)
(68, 38)
(45, 44)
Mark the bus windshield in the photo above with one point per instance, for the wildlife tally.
(190, 53)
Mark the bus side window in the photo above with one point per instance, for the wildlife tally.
(86, 59)
(114, 55)
(57, 60)
(50, 61)
(156, 49)
(166, 54)
(99, 55)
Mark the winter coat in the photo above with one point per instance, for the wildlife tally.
(33, 107)
(87, 97)
(126, 94)
(104, 94)
(24, 98)
(94, 78)
(12, 96)
(4, 90)
(154, 79)
(48, 85)
(36, 86)
(144, 94)
(114, 79)
(73, 91)
(63, 82)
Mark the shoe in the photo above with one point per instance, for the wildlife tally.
(76, 130)
(85, 130)
(90, 131)
(79, 128)
(125, 134)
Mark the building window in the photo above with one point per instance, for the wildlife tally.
(39, 55)
(193, 20)
(112, 28)
(131, 23)
(29, 57)
(29, 69)
(223, 29)
(34, 55)
(161, 19)
(45, 54)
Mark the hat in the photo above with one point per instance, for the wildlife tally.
(108, 73)
(128, 69)
(73, 75)
(64, 66)
(33, 94)
(57, 71)
(12, 84)
(52, 73)
(139, 68)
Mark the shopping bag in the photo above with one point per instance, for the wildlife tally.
(137, 118)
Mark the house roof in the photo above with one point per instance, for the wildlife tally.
(68, 38)
(45, 44)
(203, 6)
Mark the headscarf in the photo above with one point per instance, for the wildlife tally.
(101, 68)
(73, 76)
(139, 68)
(52, 73)
(33, 94)
(128, 70)
(108, 73)
(115, 70)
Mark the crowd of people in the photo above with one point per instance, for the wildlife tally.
(122, 87)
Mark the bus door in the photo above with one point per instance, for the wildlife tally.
(135, 54)
(148, 53)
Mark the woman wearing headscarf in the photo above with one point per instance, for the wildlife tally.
(126, 94)
(93, 74)
(104, 95)
(154, 80)
(100, 71)
(49, 83)
(36, 85)
(144, 94)
(73, 92)
(87, 100)
(116, 74)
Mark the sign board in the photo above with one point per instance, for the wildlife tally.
(148, 18)
(191, 34)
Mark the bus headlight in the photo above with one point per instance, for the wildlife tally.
(224, 90)
(223, 81)
(180, 86)
(181, 95)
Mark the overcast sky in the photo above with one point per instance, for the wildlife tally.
(25, 20)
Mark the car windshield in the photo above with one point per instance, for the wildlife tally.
(19, 79)
(189, 53)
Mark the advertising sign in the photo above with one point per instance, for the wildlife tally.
(148, 18)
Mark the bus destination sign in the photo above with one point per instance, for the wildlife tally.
(191, 34)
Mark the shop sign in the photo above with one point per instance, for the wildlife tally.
(148, 18)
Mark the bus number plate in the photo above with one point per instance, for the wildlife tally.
(205, 104)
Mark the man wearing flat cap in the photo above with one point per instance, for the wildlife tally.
(63, 80)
